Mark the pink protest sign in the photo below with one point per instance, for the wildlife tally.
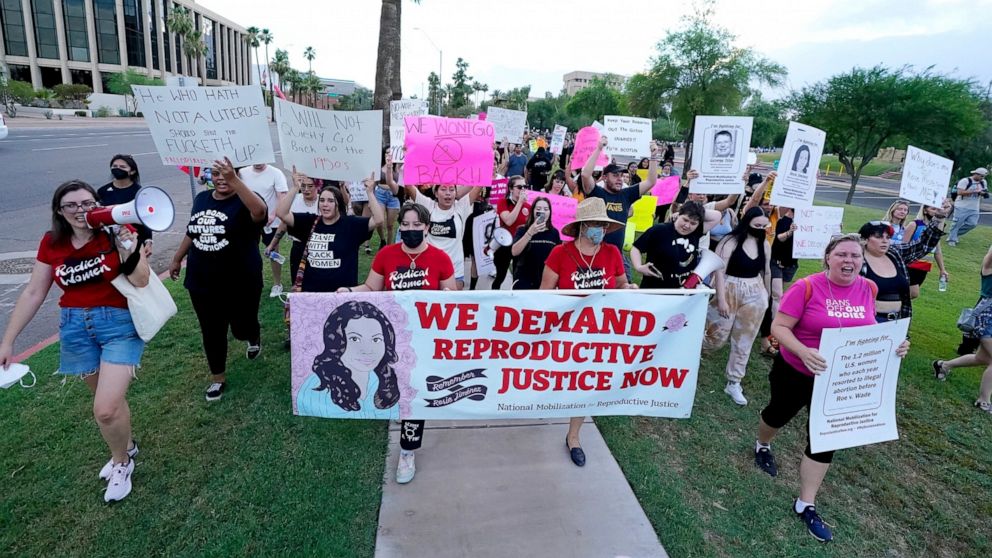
(498, 190)
(666, 189)
(562, 208)
(585, 143)
(448, 151)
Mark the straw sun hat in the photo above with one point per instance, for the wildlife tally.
(591, 210)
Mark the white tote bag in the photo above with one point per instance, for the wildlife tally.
(151, 306)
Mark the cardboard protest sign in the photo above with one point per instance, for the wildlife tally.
(562, 209)
(925, 177)
(357, 192)
(399, 110)
(500, 354)
(331, 144)
(719, 152)
(509, 124)
(586, 142)
(482, 232)
(195, 126)
(814, 227)
(796, 182)
(558, 139)
(397, 135)
(533, 146)
(643, 216)
(629, 136)
(448, 151)
(854, 400)
(666, 189)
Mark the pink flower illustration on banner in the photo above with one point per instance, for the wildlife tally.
(675, 323)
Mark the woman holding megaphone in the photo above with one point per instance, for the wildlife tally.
(224, 268)
(98, 341)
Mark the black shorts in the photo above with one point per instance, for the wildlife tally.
(791, 390)
(916, 276)
(786, 274)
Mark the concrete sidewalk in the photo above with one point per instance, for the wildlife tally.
(508, 488)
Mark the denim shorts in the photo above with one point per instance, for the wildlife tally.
(90, 336)
(386, 198)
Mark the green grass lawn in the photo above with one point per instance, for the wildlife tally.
(244, 475)
(873, 168)
(924, 495)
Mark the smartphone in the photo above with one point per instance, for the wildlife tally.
(541, 217)
(653, 268)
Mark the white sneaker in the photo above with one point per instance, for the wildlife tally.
(735, 392)
(120, 482)
(276, 291)
(405, 468)
(105, 472)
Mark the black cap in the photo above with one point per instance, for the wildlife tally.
(611, 168)
(754, 178)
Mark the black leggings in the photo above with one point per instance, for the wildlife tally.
(216, 311)
(502, 259)
(411, 434)
(791, 391)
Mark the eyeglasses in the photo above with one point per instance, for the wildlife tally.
(72, 207)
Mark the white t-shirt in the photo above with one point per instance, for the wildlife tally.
(447, 228)
(300, 206)
(969, 202)
(265, 183)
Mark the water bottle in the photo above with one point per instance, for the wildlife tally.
(942, 285)
(277, 257)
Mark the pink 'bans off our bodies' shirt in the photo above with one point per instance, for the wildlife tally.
(829, 306)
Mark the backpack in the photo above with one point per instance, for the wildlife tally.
(954, 189)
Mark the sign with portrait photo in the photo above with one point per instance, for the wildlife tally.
(719, 152)
(799, 166)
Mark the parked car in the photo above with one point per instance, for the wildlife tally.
(3, 127)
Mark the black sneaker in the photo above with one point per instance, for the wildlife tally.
(253, 351)
(814, 524)
(765, 461)
(215, 391)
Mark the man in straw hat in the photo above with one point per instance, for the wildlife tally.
(587, 262)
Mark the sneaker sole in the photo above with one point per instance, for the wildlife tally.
(125, 495)
(404, 480)
(129, 456)
(218, 398)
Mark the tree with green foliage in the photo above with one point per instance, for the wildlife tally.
(279, 65)
(461, 86)
(252, 39)
(435, 94)
(120, 84)
(360, 99)
(180, 22)
(770, 121)
(596, 100)
(309, 53)
(865, 110)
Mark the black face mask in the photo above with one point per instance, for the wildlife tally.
(412, 239)
(120, 174)
(756, 233)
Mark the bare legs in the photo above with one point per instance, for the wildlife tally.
(981, 358)
(110, 408)
(574, 425)
(811, 473)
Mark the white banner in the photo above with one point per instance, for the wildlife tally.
(719, 152)
(854, 400)
(814, 227)
(628, 136)
(482, 232)
(496, 354)
(558, 140)
(331, 144)
(925, 177)
(799, 166)
(195, 126)
(508, 124)
(397, 134)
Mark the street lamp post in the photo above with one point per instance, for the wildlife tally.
(440, 65)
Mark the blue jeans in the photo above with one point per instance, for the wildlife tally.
(965, 220)
(90, 336)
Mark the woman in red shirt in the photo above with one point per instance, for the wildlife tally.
(412, 264)
(513, 211)
(98, 341)
(585, 263)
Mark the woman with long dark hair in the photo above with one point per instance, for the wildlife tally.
(98, 341)
(355, 370)
(123, 189)
(532, 245)
(741, 296)
(800, 163)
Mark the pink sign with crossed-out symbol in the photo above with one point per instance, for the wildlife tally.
(448, 151)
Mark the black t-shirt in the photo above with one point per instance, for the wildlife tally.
(332, 255)
(674, 255)
(224, 254)
(108, 195)
(618, 208)
(782, 250)
(539, 169)
(528, 267)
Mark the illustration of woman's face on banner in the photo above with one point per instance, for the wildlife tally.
(365, 345)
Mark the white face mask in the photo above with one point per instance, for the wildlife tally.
(14, 374)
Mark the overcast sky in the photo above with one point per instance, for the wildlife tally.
(511, 43)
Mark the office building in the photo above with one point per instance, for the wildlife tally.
(576, 81)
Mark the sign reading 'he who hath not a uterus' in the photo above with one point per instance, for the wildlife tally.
(197, 126)
(331, 144)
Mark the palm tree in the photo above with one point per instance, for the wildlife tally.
(180, 22)
(252, 39)
(313, 86)
(266, 37)
(295, 81)
(310, 54)
(387, 66)
(280, 65)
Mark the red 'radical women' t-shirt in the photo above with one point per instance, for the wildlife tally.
(574, 272)
(425, 274)
(84, 274)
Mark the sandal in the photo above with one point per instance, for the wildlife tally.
(938, 370)
(983, 406)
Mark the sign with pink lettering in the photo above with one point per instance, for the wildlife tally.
(448, 151)
(585, 143)
(666, 189)
(562, 209)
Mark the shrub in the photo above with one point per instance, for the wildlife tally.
(72, 91)
(80, 113)
(21, 91)
(49, 114)
(102, 112)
